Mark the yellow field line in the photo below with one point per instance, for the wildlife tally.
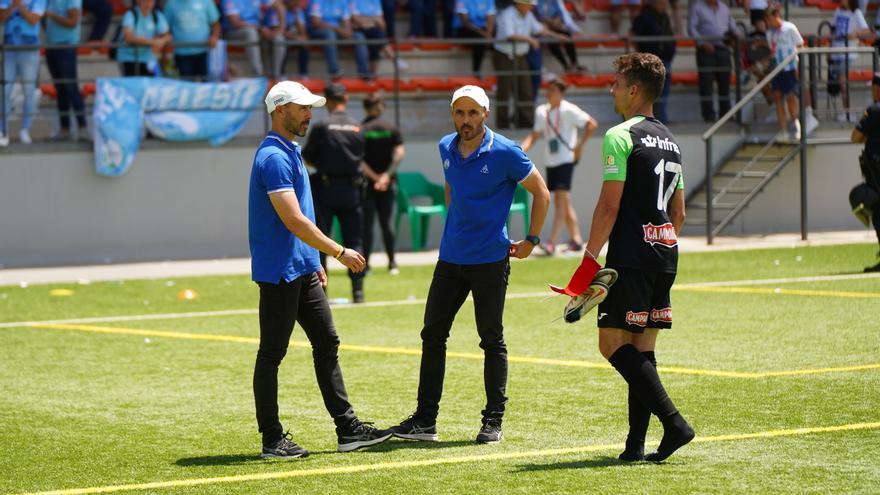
(778, 291)
(464, 355)
(385, 466)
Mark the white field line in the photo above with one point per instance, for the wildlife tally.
(416, 301)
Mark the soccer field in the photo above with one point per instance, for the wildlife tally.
(123, 387)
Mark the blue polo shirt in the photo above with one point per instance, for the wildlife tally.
(481, 192)
(477, 11)
(190, 21)
(366, 8)
(277, 254)
(56, 34)
(332, 12)
(247, 10)
(18, 31)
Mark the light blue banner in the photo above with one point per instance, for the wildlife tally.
(169, 109)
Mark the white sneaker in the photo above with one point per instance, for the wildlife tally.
(811, 122)
(796, 130)
(25, 137)
(4, 140)
(782, 136)
(402, 65)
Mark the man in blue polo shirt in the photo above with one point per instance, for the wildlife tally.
(284, 243)
(482, 170)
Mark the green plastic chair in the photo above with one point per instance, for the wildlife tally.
(412, 185)
(520, 205)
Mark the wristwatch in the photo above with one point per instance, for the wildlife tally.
(533, 239)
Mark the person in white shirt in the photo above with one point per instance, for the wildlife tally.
(559, 121)
(517, 24)
(849, 25)
(784, 39)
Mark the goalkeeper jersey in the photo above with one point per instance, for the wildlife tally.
(643, 154)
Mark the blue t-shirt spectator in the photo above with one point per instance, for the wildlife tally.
(366, 8)
(332, 12)
(249, 11)
(277, 254)
(18, 31)
(56, 34)
(144, 26)
(476, 10)
(190, 22)
(481, 192)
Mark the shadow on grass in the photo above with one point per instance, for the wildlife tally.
(235, 459)
(600, 462)
(392, 445)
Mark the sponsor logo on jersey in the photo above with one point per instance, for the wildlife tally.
(446, 164)
(485, 169)
(660, 234)
(610, 167)
(344, 127)
(662, 143)
(639, 319)
(664, 314)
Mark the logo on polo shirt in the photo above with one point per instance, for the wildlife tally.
(446, 164)
(485, 169)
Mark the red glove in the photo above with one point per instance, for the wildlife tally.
(581, 278)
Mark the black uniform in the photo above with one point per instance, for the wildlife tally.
(869, 126)
(380, 139)
(642, 247)
(336, 148)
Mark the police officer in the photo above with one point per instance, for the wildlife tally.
(868, 131)
(336, 149)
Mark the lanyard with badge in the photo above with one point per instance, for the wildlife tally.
(554, 142)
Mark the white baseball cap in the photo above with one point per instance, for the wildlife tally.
(292, 92)
(475, 93)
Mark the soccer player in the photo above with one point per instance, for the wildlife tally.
(482, 170)
(284, 243)
(639, 213)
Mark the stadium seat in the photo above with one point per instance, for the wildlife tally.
(434, 84)
(387, 84)
(520, 205)
(356, 85)
(48, 90)
(412, 185)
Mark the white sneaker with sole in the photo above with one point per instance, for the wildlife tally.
(4, 140)
(25, 137)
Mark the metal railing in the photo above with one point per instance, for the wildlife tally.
(801, 144)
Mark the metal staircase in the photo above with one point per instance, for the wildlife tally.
(739, 178)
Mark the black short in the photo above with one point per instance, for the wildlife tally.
(559, 177)
(637, 301)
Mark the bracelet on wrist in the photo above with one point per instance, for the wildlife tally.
(340, 253)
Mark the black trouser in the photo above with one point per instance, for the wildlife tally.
(301, 300)
(523, 111)
(62, 66)
(103, 12)
(556, 50)
(133, 69)
(477, 51)
(192, 67)
(714, 68)
(383, 203)
(449, 289)
(341, 198)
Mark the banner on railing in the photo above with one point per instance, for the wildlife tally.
(169, 109)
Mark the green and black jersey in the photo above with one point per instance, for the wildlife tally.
(643, 153)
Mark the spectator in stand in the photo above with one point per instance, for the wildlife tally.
(617, 7)
(711, 19)
(784, 39)
(21, 26)
(552, 13)
(422, 18)
(389, 12)
(102, 11)
(849, 25)
(517, 24)
(63, 19)
(245, 18)
(475, 19)
(295, 33)
(368, 23)
(331, 20)
(756, 10)
(654, 21)
(192, 21)
(383, 152)
(145, 32)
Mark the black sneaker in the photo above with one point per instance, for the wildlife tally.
(416, 428)
(871, 269)
(633, 452)
(359, 435)
(490, 432)
(676, 434)
(285, 448)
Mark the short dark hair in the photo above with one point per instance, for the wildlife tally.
(558, 82)
(644, 69)
(373, 100)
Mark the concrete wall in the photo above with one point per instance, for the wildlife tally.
(188, 201)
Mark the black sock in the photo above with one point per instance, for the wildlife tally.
(639, 415)
(643, 380)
